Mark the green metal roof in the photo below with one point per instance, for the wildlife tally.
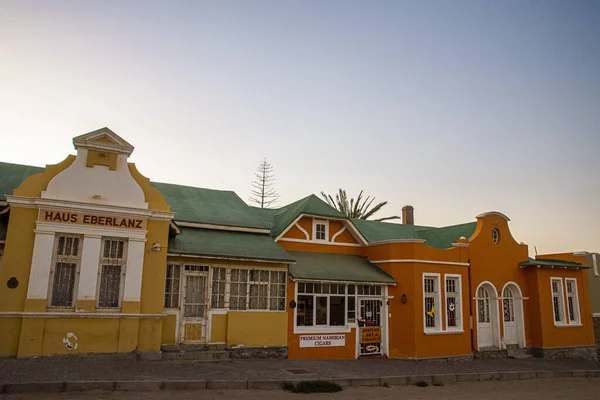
(441, 238)
(227, 244)
(550, 263)
(207, 206)
(336, 267)
(312, 205)
(11, 176)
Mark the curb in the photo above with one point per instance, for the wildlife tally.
(145, 386)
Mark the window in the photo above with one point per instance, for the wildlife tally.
(238, 289)
(453, 291)
(218, 288)
(65, 267)
(172, 286)
(431, 301)
(572, 301)
(483, 306)
(351, 304)
(321, 304)
(508, 305)
(557, 301)
(320, 229)
(112, 272)
(496, 235)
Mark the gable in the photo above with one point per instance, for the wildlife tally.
(337, 232)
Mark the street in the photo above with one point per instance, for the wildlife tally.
(579, 388)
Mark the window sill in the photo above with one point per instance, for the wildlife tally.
(447, 332)
(568, 325)
(324, 329)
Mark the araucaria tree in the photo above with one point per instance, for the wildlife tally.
(360, 209)
(263, 193)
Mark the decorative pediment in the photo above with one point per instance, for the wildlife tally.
(103, 140)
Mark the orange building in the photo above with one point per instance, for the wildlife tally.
(95, 258)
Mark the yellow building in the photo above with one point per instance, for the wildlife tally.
(95, 258)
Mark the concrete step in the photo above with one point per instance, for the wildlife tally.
(176, 348)
(519, 354)
(491, 352)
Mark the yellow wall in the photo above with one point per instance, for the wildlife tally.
(257, 328)
(218, 328)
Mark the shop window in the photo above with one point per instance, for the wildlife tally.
(572, 301)
(322, 304)
(172, 281)
(453, 293)
(320, 229)
(431, 301)
(112, 272)
(65, 267)
(558, 306)
(218, 288)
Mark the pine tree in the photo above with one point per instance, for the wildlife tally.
(263, 193)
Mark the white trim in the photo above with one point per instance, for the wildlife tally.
(493, 296)
(85, 230)
(446, 332)
(595, 264)
(230, 259)
(301, 229)
(485, 214)
(576, 308)
(338, 233)
(58, 314)
(522, 339)
(421, 261)
(353, 230)
(319, 242)
(220, 227)
(596, 315)
(87, 141)
(323, 222)
(576, 325)
(461, 244)
(386, 331)
(459, 297)
(294, 222)
(396, 241)
(563, 320)
(437, 299)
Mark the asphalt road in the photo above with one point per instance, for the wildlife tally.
(569, 388)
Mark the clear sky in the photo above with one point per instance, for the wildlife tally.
(454, 107)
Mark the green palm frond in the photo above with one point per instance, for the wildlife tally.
(359, 208)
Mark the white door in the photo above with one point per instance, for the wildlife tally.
(370, 331)
(194, 305)
(485, 334)
(508, 310)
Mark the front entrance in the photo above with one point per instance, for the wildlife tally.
(487, 317)
(512, 315)
(194, 304)
(369, 327)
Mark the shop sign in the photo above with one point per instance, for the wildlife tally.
(370, 334)
(322, 340)
(91, 219)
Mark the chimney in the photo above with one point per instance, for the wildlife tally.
(408, 217)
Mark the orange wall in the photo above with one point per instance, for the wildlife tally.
(319, 248)
(296, 352)
(497, 264)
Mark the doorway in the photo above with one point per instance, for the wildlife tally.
(194, 304)
(512, 315)
(370, 327)
(487, 317)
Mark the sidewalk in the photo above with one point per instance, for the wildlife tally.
(242, 374)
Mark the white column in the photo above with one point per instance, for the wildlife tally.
(39, 276)
(134, 269)
(88, 273)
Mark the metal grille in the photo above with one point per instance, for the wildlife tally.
(570, 301)
(112, 272)
(508, 306)
(172, 286)
(557, 300)
(430, 289)
(452, 302)
(369, 320)
(483, 305)
(65, 268)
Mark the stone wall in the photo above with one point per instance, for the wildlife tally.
(589, 353)
(255, 353)
(597, 333)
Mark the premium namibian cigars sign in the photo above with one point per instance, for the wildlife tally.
(67, 217)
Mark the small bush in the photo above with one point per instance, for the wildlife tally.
(421, 384)
(438, 383)
(312, 387)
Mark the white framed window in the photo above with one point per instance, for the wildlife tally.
(320, 230)
(64, 273)
(572, 301)
(172, 285)
(248, 289)
(431, 302)
(453, 295)
(321, 304)
(558, 305)
(111, 279)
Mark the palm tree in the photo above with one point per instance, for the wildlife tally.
(356, 209)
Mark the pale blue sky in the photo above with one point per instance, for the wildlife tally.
(455, 107)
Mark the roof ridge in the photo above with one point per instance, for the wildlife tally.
(192, 187)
